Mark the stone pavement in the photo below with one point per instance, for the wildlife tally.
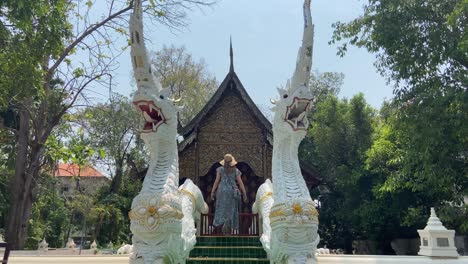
(323, 259)
(69, 260)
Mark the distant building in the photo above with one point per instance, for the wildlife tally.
(73, 179)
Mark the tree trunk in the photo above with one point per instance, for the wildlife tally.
(17, 217)
(27, 167)
(117, 180)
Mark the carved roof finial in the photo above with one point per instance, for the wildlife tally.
(231, 53)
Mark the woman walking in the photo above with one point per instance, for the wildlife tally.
(227, 195)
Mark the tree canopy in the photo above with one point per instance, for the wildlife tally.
(421, 46)
(187, 79)
(416, 156)
(51, 54)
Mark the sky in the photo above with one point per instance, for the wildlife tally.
(266, 35)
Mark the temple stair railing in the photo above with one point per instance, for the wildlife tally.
(249, 225)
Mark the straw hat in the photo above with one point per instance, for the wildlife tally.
(229, 158)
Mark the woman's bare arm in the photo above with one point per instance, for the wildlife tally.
(241, 185)
(215, 185)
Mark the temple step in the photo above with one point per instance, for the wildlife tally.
(222, 241)
(228, 249)
(227, 260)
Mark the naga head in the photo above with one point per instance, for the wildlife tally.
(159, 114)
(296, 98)
(291, 110)
(158, 110)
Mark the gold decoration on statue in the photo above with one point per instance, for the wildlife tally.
(152, 210)
(265, 196)
(131, 215)
(297, 208)
(277, 213)
(189, 194)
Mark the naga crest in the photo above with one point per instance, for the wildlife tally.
(296, 98)
(158, 110)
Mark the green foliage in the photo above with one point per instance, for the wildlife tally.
(421, 46)
(112, 129)
(188, 79)
(41, 80)
(419, 150)
(50, 216)
(5, 174)
(7, 147)
(109, 219)
(325, 84)
(432, 135)
(415, 41)
(38, 31)
(454, 217)
(409, 164)
(340, 134)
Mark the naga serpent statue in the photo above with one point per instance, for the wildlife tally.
(290, 219)
(162, 214)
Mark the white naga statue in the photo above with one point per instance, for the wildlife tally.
(290, 219)
(162, 215)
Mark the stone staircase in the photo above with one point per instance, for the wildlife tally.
(228, 249)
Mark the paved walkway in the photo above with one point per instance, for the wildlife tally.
(323, 259)
(69, 260)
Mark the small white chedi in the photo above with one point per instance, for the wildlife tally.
(436, 240)
(93, 245)
(162, 216)
(71, 244)
(43, 245)
(290, 219)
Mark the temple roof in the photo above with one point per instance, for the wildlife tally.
(231, 82)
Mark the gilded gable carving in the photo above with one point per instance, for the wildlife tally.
(230, 138)
(231, 114)
(231, 128)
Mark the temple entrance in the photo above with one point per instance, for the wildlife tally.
(248, 223)
(250, 180)
(230, 122)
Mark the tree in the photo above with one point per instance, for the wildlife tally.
(325, 84)
(422, 47)
(51, 52)
(50, 216)
(7, 147)
(111, 128)
(387, 159)
(416, 42)
(186, 78)
(340, 134)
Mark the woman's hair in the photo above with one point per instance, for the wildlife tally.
(228, 168)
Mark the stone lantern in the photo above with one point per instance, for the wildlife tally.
(436, 240)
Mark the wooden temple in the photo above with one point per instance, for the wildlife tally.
(230, 122)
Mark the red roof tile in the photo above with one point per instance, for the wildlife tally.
(70, 170)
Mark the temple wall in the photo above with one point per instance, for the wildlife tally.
(231, 128)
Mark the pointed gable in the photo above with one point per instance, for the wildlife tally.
(231, 85)
(230, 122)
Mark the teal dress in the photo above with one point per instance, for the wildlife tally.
(227, 203)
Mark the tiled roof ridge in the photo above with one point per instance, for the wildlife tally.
(72, 170)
